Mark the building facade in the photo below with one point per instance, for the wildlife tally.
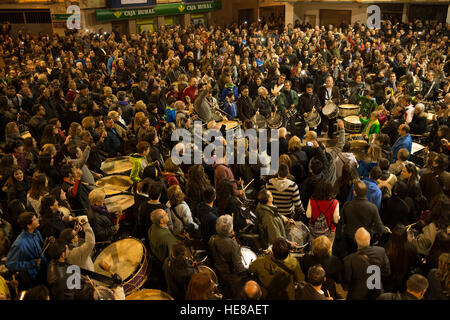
(52, 15)
(327, 12)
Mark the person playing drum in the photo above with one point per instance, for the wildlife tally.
(371, 126)
(306, 103)
(328, 92)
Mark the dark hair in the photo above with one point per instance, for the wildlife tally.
(400, 189)
(417, 283)
(383, 139)
(66, 170)
(142, 146)
(25, 219)
(280, 248)
(209, 194)
(323, 191)
(46, 203)
(150, 172)
(66, 235)
(226, 190)
(154, 190)
(283, 170)
(440, 213)
(316, 275)
(396, 250)
(178, 255)
(383, 164)
(86, 292)
(316, 166)
(375, 173)
(37, 293)
(346, 147)
(56, 249)
(360, 189)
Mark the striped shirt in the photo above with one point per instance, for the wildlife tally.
(285, 195)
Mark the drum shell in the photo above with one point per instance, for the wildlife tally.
(352, 126)
(346, 110)
(313, 119)
(330, 110)
(149, 294)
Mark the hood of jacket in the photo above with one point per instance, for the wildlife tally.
(280, 184)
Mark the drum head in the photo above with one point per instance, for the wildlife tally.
(416, 147)
(124, 256)
(298, 233)
(352, 119)
(120, 202)
(228, 124)
(149, 294)
(328, 108)
(114, 184)
(248, 256)
(210, 271)
(275, 121)
(260, 121)
(349, 106)
(116, 165)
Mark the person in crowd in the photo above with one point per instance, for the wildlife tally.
(178, 272)
(277, 272)
(100, 218)
(312, 290)
(438, 280)
(403, 142)
(416, 286)
(159, 235)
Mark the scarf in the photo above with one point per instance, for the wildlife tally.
(100, 209)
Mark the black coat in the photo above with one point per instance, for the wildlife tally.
(265, 106)
(418, 125)
(208, 217)
(390, 128)
(177, 279)
(306, 102)
(245, 108)
(52, 225)
(395, 211)
(356, 275)
(102, 224)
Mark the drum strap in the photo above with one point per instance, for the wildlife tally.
(283, 266)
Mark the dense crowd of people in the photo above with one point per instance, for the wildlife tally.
(68, 103)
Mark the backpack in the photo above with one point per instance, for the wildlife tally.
(320, 226)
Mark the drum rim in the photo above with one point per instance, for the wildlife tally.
(213, 272)
(151, 289)
(309, 235)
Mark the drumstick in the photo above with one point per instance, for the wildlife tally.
(328, 293)
(45, 248)
(14, 279)
(95, 288)
(410, 225)
(248, 184)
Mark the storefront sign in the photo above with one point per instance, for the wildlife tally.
(159, 10)
(130, 3)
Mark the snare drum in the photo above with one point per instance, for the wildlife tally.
(346, 110)
(260, 121)
(127, 258)
(116, 165)
(353, 124)
(330, 110)
(299, 233)
(248, 256)
(313, 119)
(275, 121)
(112, 185)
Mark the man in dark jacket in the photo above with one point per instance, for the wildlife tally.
(365, 269)
(207, 214)
(58, 272)
(245, 105)
(360, 212)
(328, 92)
(416, 286)
(77, 192)
(312, 290)
(37, 123)
(391, 127)
(263, 104)
(227, 259)
(306, 103)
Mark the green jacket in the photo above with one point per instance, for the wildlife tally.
(274, 279)
(282, 101)
(139, 163)
(161, 242)
(270, 224)
(374, 128)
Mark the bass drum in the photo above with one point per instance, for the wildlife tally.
(149, 294)
(260, 121)
(353, 124)
(127, 258)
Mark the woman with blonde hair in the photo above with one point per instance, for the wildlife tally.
(75, 131)
(374, 154)
(322, 254)
(180, 209)
(299, 159)
(141, 124)
(439, 279)
(101, 220)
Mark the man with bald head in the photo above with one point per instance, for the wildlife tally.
(365, 269)
(160, 237)
(251, 291)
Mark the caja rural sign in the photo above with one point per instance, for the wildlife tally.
(159, 10)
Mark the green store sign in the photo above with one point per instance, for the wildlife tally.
(168, 9)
